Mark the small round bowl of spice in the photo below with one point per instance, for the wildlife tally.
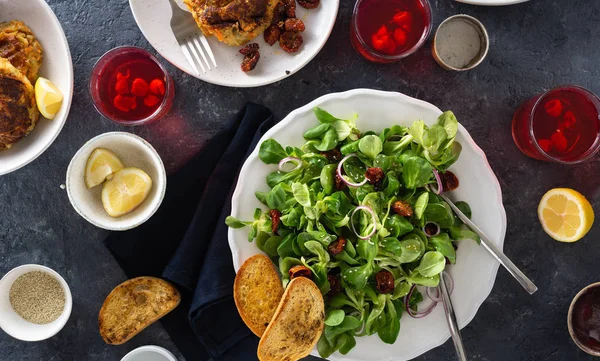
(130, 86)
(35, 303)
(460, 43)
(583, 319)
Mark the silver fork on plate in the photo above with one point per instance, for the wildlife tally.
(192, 42)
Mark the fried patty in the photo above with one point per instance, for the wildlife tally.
(21, 48)
(18, 110)
(233, 22)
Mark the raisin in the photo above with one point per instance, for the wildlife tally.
(249, 49)
(402, 208)
(275, 219)
(309, 4)
(336, 247)
(250, 61)
(290, 8)
(272, 34)
(300, 271)
(294, 24)
(374, 175)
(290, 41)
(385, 281)
(449, 181)
(333, 156)
(335, 286)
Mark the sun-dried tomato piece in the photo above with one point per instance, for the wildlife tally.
(249, 49)
(294, 24)
(272, 34)
(374, 175)
(402, 208)
(250, 61)
(290, 41)
(333, 156)
(275, 219)
(290, 8)
(339, 183)
(335, 286)
(385, 281)
(309, 4)
(449, 181)
(336, 247)
(300, 271)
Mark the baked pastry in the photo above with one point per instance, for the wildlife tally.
(233, 22)
(18, 110)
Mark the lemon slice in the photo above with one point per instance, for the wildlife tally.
(100, 165)
(565, 214)
(128, 188)
(48, 97)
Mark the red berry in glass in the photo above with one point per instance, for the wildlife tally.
(564, 124)
(389, 27)
(125, 87)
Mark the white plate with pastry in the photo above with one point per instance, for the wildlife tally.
(24, 134)
(153, 18)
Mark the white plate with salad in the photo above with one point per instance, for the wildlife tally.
(396, 153)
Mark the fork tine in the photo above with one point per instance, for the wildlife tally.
(208, 49)
(202, 52)
(188, 57)
(194, 52)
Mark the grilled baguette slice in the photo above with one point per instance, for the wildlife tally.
(257, 291)
(296, 325)
(134, 305)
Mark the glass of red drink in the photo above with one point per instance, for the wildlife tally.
(131, 87)
(385, 31)
(561, 125)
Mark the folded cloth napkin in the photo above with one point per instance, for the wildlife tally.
(185, 242)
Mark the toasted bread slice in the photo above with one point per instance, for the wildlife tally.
(297, 324)
(257, 291)
(134, 305)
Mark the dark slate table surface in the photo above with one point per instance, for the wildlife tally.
(533, 47)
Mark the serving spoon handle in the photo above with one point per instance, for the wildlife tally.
(495, 251)
(451, 318)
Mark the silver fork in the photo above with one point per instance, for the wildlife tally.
(189, 37)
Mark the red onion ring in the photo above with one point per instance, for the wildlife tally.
(436, 297)
(370, 211)
(433, 235)
(284, 161)
(419, 314)
(340, 175)
(440, 188)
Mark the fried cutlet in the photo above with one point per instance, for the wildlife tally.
(233, 22)
(21, 48)
(18, 110)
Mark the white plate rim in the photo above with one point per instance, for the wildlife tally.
(68, 98)
(492, 2)
(345, 95)
(297, 66)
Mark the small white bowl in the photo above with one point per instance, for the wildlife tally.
(15, 325)
(149, 353)
(133, 151)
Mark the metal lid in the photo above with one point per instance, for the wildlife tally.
(460, 43)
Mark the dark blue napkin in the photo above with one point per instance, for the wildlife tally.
(185, 242)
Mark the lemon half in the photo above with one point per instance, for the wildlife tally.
(100, 165)
(48, 97)
(127, 189)
(566, 215)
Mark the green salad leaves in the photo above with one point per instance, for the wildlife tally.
(357, 210)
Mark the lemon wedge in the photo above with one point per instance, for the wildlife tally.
(128, 188)
(101, 164)
(566, 215)
(48, 97)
